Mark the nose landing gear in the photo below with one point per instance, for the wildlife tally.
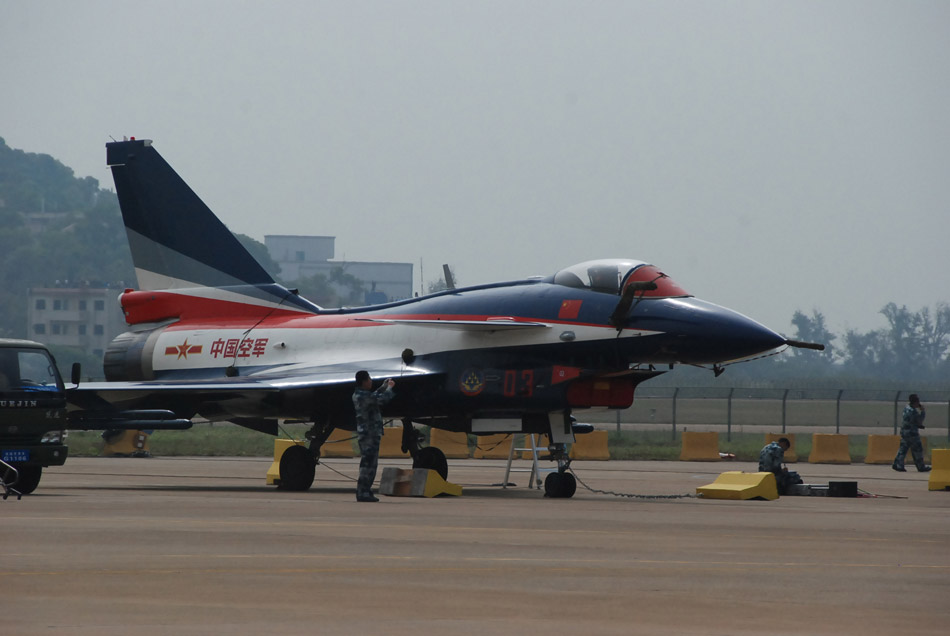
(562, 484)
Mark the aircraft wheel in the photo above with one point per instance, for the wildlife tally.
(432, 458)
(297, 468)
(568, 485)
(560, 485)
(29, 478)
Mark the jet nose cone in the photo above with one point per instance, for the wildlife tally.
(750, 337)
(739, 336)
(709, 333)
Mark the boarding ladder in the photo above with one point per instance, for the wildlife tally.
(9, 476)
(534, 479)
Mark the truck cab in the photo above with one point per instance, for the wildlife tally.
(32, 413)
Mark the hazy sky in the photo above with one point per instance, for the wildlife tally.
(769, 156)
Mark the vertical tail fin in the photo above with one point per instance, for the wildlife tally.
(176, 241)
(179, 245)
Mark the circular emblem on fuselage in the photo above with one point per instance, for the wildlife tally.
(472, 382)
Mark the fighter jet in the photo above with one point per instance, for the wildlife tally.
(212, 334)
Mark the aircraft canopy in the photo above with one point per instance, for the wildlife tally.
(612, 275)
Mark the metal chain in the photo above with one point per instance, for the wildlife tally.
(493, 446)
(345, 476)
(631, 495)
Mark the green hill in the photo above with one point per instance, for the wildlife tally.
(58, 229)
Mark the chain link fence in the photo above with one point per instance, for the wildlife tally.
(742, 410)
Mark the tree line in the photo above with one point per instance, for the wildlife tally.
(913, 347)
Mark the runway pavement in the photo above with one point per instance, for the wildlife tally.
(202, 546)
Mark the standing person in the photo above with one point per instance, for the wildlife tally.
(369, 429)
(770, 461)
(912, 420)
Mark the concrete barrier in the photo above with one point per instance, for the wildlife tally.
(453, 444)
(828, 448)
(883, 448)
(591, 445)
(700, 447)
(497, 446)
(739, 485)
(391, 443)
(940, 473)
(791, 456)
(339, 444)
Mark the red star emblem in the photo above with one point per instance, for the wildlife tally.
(183, 350)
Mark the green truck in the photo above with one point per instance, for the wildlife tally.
(32, 414)
(34, 417)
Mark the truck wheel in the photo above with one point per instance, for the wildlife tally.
(29, 478)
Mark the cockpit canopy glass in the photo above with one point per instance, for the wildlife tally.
(611, 276)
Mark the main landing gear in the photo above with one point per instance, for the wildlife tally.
(298, 463)
(297, 469)
(430, 457)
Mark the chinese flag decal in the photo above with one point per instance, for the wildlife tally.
(569, 309)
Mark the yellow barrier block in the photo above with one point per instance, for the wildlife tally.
(453, 444)
(127, 443)
(700, 447)
(790, 455)
(739, 485)
(415, 482)
(391, 443)
(280, 445)
(591, 445)
(339, 444)
(497, 446)
(940, 473)
(828, 448)
(883, 448)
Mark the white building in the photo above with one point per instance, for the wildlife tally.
(305, 256)
(86, 318)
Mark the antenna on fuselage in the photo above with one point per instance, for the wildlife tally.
(447, 274)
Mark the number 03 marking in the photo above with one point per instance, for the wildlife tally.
(523, 386)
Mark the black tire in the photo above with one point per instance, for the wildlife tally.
(560, 485)
(297, 468)
(29, 478)
(432, 458)
(553, 484)
(568, 485)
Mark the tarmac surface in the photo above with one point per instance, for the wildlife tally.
(202, 546)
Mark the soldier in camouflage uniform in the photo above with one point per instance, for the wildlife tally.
(369, 429)
(912, 420)
(770, 461)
